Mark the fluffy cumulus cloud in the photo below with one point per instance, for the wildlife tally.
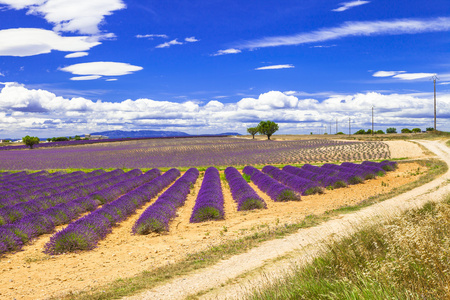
(40, 112)
(81, 16)
(34, 41)
(95, 70)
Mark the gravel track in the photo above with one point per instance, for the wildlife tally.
(232, 278)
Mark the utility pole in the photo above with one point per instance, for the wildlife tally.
(434, 82)
(372, 120)
(349, 129)
(336, 126)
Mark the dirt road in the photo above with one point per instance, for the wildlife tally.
(232, 278)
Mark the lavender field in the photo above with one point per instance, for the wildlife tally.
(193, 152)
(34, 204)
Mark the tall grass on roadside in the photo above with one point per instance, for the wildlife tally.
(404, 258)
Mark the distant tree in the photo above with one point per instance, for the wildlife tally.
(430, 129)
(369, 131)
(60, 139)
(416, 130)
(252, 131)
(406, 130)
(267, 128)
(361, 131)
(379, 132)
(391, 130)
(77, 138)
(49, 139)
(340, 132)
(30, 141)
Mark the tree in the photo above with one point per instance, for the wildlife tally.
(30, 141)
(416, 130)
(252, 131)
(369, 131)
(267, 128)
(391, 130)
(340, 133)
(361, 131)
(430, 129)
(406, 130)
(379, 131)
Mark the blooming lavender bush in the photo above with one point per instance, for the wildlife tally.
(85, 233)
(277, 191)
(321, 176)
(209, 203)
(244, 195)
(156, 217)
(301, 185)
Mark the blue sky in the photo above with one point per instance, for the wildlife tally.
(72, 67)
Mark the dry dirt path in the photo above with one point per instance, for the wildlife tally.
(232, 278)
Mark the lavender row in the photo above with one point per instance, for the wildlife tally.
(244, 195)
(156, 217)
(276, 191)
(115, 180)
(209, 204)
(54, 191)
(14, 236)
(85, 233)
(320, 177)
(341, 175)
(302, 185)
(31, 191)
(34, 179)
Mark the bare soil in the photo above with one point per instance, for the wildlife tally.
(31, 274)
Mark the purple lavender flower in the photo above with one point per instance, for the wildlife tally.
(245, 197)
(209, 203)
(85, 233)
(156, 217)
(277, 191)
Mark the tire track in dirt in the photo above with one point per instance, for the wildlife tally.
(227, 280)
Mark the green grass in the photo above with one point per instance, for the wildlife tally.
(404, 258)
(151, 278)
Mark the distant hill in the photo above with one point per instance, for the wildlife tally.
(118, 134)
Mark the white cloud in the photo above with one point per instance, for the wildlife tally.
(102, 68)
(347, 5)
(76, 54)
(276, 67)
(386, 73)
(111, 79)
(33, 41)
(227, 51)
(365, 28)
(151, 36)
(21, 4)
(1, 74)
(168, 44)
(81, 16)
(23, 110)
(191, 39)
(413, 76)
(89, 77)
